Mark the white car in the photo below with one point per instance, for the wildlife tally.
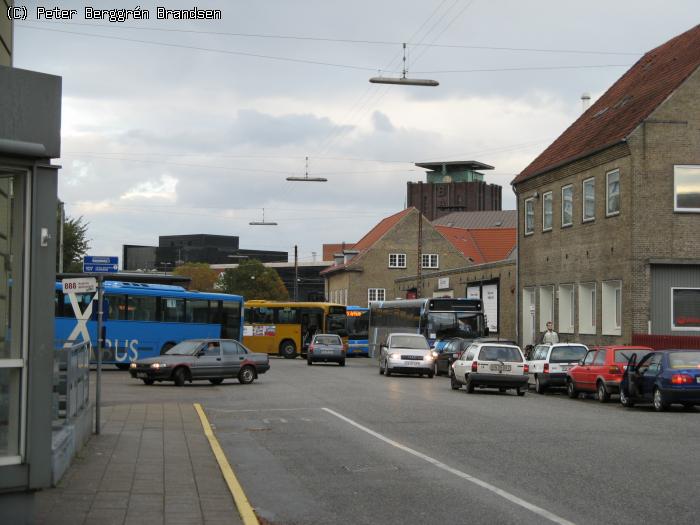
(491, 365)
(406, 354)
(549, 364)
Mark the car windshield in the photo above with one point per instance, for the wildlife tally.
(407, 341)
(327, 340)
(684, 359)
(454, 324)
(567, 354)
(185, 348)
(623, 355)
(500, 353)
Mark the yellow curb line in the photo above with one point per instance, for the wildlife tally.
(244, 507)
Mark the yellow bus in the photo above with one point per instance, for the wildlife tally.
(286, 328)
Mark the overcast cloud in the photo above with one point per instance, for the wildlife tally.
(162, 140)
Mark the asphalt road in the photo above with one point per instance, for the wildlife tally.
(326, 444)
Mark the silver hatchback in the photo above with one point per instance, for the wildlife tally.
(326, 348)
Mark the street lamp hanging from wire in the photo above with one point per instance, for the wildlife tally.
(403, 80)
(306, 177)
(263, 222)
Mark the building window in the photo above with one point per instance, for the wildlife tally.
(547, 211)
(397, 260)
(430, 260)
(546, 306)
(529, 216)
(566, 309)
(567, 206)
(375, 294)
(588, 199)
(686, 188)
(611, 299)
(686, 308)
(586, 308)
(613, 193)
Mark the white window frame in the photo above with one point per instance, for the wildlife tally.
(611, 305)
(567, 309)
(587, 303)
(563, 201)
(609, 213)
(398, 257)
(431, 257)
(673, 317)
(546, 228)
(529, 203)
(675, 192)
(377, 292)
(591, 181)
(546, 297)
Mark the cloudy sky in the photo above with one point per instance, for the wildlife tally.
(176, 127)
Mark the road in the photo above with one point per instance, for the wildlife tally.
(326, 444)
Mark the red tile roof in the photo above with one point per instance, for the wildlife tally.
(625, 105)
(331, 249)
(380, 229)
(481, 246)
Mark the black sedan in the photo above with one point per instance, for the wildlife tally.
(448, 353)
(202, 359)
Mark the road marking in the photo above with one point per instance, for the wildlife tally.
(500, 492)
(234, 410)
(245, 509)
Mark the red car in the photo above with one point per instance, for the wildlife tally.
(601, 370)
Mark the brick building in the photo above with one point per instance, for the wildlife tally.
(389, 250)
(609, 213)
(451, 187)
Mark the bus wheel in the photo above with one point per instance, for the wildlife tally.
(288, 349)
(122, 366)
(166, 347)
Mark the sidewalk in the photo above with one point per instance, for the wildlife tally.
(152, 464)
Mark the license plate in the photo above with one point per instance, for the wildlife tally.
(500, 368)
(412, 363)
(566, 367)
(142, 375)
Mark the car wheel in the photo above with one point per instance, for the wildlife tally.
(387, 372)
(216, 381)
(179, 376)
(470, 386)
(571, 389)
(246, 375)
(309, 362)
(149, 382)
(660, 403)
(431, 374)
(342, 363)
(381, 370)
(288, 349)
(454, 383)
(603, 394)
(539, 387)
(520, 391)
(624, 400)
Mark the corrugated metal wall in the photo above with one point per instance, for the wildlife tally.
(663, 278)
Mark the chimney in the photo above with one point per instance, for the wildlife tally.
(585, 101)
(349, 254)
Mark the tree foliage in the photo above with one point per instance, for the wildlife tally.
(253, 281)
(75, 244)
(203, 277)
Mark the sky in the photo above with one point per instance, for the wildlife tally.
(182, 127)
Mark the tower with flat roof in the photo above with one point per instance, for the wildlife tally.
(453, 186)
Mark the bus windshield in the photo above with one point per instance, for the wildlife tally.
(358, 325)
(454, 324)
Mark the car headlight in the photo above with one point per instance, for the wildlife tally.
(428, 357)
(434, 353)
(159, 365)
(132, 365)
(395, 356)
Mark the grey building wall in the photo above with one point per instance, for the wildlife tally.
(663, 279)
(5, 35)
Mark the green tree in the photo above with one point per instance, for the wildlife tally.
(203, 277)
(253, 281)
(75, 244)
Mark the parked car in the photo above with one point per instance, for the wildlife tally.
(663, 378)
(202, 359)
(327, 348)
(492, 365)
(448, 354)
(406, 354)
(601, 371)
(549, 363)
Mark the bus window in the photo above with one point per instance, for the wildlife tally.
(141, 308)
(231, 326)
(287, 316)
(262, 315)
(172, 310)
(197, 310)
(83, 299)
(116, 307)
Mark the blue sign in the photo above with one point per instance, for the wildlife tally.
(95, 264)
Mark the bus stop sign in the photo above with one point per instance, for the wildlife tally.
(95, 264)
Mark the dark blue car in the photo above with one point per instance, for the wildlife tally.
(663, 378)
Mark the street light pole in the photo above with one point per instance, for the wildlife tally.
(296, 273)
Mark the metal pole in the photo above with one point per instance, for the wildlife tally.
(99, 354)
(419, 280)
(296, 273)
(60, 236)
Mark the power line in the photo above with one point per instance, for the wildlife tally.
(525, 68)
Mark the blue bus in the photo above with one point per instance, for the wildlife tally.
(358, 329)
(144, 320)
